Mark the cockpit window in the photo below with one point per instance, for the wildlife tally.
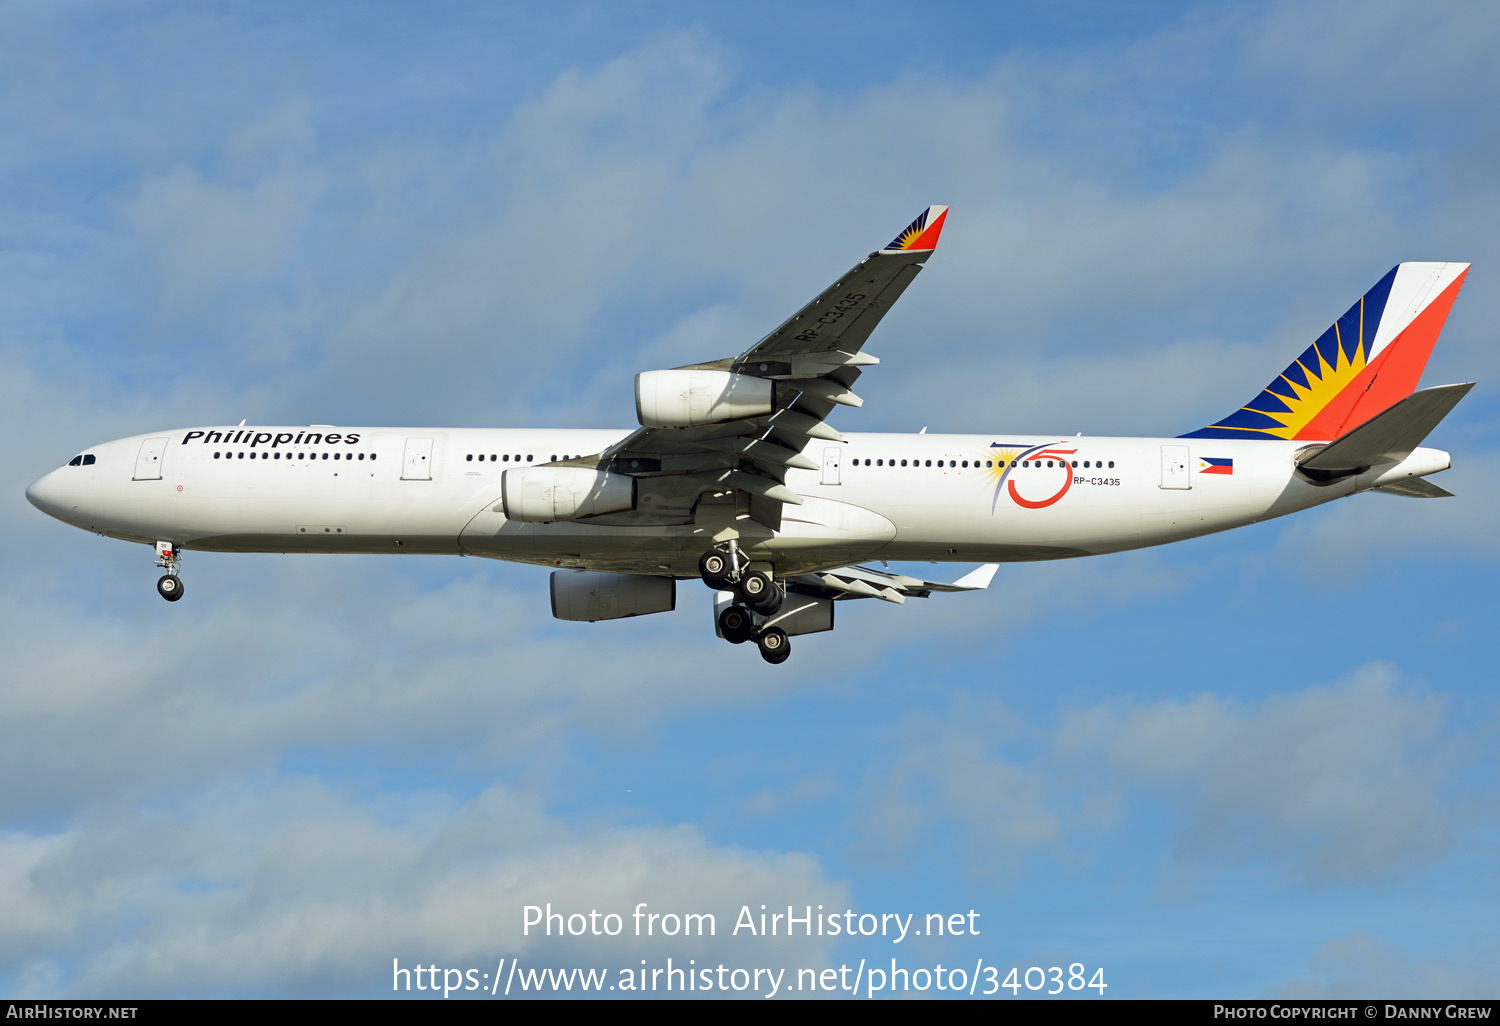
(76, 461)
(88, 459)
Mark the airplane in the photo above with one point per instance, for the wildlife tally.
(735, 475)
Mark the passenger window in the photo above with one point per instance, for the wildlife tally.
(470, 457)
(966, 463)
(1111, 464)
(361, 455)
(372, 457)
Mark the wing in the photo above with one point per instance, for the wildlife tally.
(759, 410)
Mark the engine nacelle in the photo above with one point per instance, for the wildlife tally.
(690, 398)
(590, 595)
(545, 495)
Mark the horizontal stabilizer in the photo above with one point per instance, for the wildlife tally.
(1389, 436)
(1416, 488)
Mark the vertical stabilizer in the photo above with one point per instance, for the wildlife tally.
(1369, 360)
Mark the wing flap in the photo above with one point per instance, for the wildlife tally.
(864, 582)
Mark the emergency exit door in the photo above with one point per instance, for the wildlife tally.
(1174, 467)
(148, 460)
(831, 465)
(417, 462)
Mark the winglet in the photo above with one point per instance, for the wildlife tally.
(977, 580)
(923, 232)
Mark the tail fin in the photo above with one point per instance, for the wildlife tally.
(1369, 360)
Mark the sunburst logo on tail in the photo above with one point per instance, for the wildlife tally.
(1369, 359)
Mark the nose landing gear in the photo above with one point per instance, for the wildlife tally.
(169, 585)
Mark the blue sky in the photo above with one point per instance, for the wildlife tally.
(1248, 765)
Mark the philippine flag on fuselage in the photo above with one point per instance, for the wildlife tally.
(1212, 465)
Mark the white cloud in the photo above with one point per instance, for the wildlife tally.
(953, 769)
(209, 237)
(1350, 780)
(294, 889)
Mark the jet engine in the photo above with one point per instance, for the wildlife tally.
(691, 398)
(545, 495)
(590, 595)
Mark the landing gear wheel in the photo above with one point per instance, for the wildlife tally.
(169, 587)
(714, 567)
(769, 604)
(756, 587)
(736, 624)
(774, 645)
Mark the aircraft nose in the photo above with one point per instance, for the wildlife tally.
(40, 492)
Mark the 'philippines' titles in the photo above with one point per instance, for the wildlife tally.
(237, 436)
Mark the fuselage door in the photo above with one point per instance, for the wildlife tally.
(148, 462)
(417, 463)
(831, 465)
(1174, 467)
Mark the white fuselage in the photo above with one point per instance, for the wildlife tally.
(947, 498)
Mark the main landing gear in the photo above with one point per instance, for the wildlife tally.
(169, 585)
(756, 595)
